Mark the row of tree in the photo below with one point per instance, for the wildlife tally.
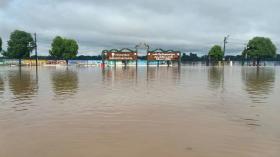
(21, 45)
(257, 49)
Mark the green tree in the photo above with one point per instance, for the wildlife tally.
(57, 47)
(259, 48)
(216, 53)
(20, 45)
(70, 49)
(63, 48)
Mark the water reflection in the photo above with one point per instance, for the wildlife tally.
(160, 73)
(151, 73)
(24, 87)
(65, 82)
(22, 84)
(216, 77)
(259, 82)
(120, 73)
(1, 85)
(1, 88)
(175, 72)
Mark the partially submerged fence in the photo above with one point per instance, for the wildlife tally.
(125, 56)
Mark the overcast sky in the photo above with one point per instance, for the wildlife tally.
(186, 25)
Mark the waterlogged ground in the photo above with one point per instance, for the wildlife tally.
(196, 111)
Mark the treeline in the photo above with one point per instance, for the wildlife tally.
(21, 44)
(190, 58)
(194, 57)
(258, 49)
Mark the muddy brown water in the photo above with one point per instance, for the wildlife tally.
(194, 111)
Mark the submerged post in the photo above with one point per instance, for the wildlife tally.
(180, 59)
(102, 56)
(147, 59)
(104, 52)
(157, 60)
(125, 63)
(136, 49)
(137, 60)
(36, 53)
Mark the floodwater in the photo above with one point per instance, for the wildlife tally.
(195, 111)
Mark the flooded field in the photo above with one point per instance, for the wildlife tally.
(194, 111)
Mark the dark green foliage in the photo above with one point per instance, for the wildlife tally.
(20, 45)
(70, 50)
(216, 53)
(57, 47)
(259, 48)
(191, 57)
(63, 48)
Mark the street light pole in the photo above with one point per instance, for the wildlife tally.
(36, 53)
(225, 42)
(136, 48)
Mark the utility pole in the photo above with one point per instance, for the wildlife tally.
(225, 42)
(136, 48)
(36, 53)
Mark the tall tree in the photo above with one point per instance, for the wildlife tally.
(259, 48)
(63, 48)
(70, 49)
(20, 45)
(216, 53)
(57, 47)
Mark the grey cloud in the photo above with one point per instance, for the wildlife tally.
(187, 25)
(4, 3)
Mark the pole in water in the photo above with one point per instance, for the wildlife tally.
(103, 62)
(36, 53)
(225, 42)
(180, 59)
